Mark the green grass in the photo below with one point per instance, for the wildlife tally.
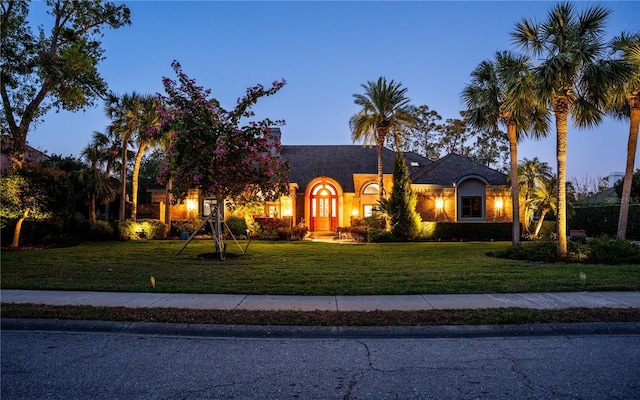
(302, 268)
(500, 316)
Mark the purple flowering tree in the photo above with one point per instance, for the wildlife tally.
(223, 153)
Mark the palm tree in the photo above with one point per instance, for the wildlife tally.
(95, 183)
(499, 92)
(385, 111)
(131, 118)
(531, 174)
(544, 199)
(570, 45)
(147, 119)
(110, 147)
(624, 104)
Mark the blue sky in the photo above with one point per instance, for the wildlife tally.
(325, 51)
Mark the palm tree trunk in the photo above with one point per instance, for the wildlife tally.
(379, 147)
(561, 110)
(628, 174)
(134, 181)
(540, 221)
(515, 192)
(92, 210)
(123, 185)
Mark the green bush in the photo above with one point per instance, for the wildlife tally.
(299, 232)
(101, 231)
(143, 229)
(465, 231)
(603, 250)
(237, 226)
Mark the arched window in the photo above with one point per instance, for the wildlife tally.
(372, 188)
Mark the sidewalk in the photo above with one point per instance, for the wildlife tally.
(326, 303)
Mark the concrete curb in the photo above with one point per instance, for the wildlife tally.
(308, 332)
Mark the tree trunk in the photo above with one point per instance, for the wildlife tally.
(16, 232)
(540, 221)
(515, 192)
(134, 181)
(167, 204)
(628, 174)
(123, 186)
(561, 110)
(92, 210)
(382, 134)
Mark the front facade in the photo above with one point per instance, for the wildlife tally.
(332, 185)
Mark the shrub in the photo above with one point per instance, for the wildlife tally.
(101, 231)
(459, 231)
(598, 251)
(299, 232)
(605, 250)
(269, 227)
(237, 226)
(143, 229)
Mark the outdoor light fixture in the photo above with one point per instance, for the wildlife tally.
(439, 203)
(354, 212)
(192, 205)
(498, 203)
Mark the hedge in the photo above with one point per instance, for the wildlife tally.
(603, 220)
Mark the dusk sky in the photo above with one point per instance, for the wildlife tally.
(325, 51)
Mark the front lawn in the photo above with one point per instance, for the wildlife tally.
(303, 268)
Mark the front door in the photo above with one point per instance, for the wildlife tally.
(324, 212)
(323, 220)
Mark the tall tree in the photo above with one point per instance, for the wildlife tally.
(385, 111)
(148, 120)
(421, 136)
(126, 113)
(57, 70)
(95, 184)
(570, 45)
(401, 206)
(624, 104)
(499, 93)
(211, 151)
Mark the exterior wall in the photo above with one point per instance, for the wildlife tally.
(437, 204)
(499, 206)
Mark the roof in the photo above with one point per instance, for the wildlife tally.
(453, 168)
(341, 162)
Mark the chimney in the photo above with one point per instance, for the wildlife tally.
(276, 136)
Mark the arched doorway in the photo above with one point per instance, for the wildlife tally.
(323, 207)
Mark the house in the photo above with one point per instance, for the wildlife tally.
(31, 155)
(330, 185)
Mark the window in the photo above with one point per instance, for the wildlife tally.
(273, 211)
(372, 188)
(368, 210)
(472, 207)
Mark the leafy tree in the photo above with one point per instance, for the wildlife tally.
(385, 111)
(625, 104)
(421, 136)
(210, 150)
(570, 80)
(499, 94)
(454, 136)
(51, 71)
(401, 206)
(21, 199)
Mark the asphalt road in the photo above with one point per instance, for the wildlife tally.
(101, 364)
